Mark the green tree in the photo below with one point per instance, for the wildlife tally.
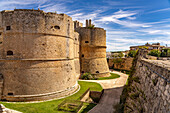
(132, 53)
(165, 53)
(155, 52)
(120, 55)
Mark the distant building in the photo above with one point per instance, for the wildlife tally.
(149, 46)
(116, 54)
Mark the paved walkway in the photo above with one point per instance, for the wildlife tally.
(112, 91)
(109, 99)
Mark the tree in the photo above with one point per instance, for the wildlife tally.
(165, 53)
(132, 53)
(120, 55)
(155, 52)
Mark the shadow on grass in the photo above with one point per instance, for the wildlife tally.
(88, 107)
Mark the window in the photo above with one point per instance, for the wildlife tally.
(82, 55)
(82, 72)
(97, 71)
(0, 33)
(86, 41)
(10, 94)
(9, 53)
(8, 27)
(57, 27)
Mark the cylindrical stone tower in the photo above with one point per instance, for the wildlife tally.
(93, 51)
(38, 55)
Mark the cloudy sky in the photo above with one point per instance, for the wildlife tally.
(128, 22)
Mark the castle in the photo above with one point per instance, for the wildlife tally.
(42, 55)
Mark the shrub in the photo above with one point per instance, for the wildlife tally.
(87, 76)
(165, 53)
(132, 53)
(91, 26)
(154, 52)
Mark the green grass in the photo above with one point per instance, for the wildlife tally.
(126, 71)
(51, 106)
(113, 76)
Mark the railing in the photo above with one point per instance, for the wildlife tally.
(157, 73)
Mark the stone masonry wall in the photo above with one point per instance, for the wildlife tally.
(93, 51)
(126, 64)
(39, 55)
(149, 91)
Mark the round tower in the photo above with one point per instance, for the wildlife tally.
(93, 50)
(37, 56)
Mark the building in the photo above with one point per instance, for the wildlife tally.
(39, 54)
(93, 50)
(149, 46)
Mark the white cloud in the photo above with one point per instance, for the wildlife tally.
(160, 10)
(119, 15)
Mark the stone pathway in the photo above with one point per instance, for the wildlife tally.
(112, 91)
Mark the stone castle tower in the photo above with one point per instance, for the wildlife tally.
(93, 50)
(39, 54)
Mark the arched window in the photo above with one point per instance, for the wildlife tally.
(8, 27)
(9, 53)
(82, 55)
(57, 27)
(97, 71)
(10, 94)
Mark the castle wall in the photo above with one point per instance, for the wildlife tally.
(93, 51)
(148, 88)
(76, 54)
(44, 58)
(125, 64)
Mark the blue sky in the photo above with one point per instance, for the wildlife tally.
(128, 22)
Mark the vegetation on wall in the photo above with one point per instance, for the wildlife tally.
(117, 60)
(91, 26)
(155, 52)
(132, 53)
(165, 53)
(125, 93)
(118, 55)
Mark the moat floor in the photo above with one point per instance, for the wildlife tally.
(109, 98)
(112, 91)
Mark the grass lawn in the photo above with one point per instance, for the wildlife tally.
(113, 76)
(51, 106)
(126, 71)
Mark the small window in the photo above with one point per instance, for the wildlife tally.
(8, 27)
(10, 94)
(82, 55)
(57, 27)
(0, 42)
(9, 53)
(86, 41)
(0, 33)
(82, 72)
(97, 71)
